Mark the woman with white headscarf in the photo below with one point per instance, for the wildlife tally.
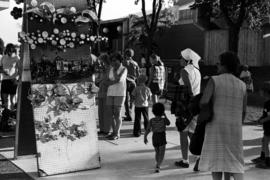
(190, 80)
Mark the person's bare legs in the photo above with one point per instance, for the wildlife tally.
(156, 155)
(118, 120)
(11, 99)
(161, 154)
(217, 175)
(5, 100)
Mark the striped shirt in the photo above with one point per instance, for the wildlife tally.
(158, 124)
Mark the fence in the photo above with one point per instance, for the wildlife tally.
(253, 49)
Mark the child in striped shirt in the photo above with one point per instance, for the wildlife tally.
(158, 126)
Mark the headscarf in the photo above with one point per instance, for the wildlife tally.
(190, 55)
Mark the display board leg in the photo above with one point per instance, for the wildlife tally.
(25, 142)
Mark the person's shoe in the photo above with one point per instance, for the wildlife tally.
(196, 167)
(114, 138)
(157, 170)
(137, 135)
(109, 136)
(127, 119)
(181, 164)
(258, 160)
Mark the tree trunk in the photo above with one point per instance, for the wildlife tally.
(234, 39)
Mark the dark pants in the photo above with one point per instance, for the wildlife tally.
(137, 122)
(128, 106)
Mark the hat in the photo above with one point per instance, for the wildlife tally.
(190, 55)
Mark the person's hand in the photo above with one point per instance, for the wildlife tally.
(145, 140)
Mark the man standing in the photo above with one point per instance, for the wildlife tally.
(133, 72)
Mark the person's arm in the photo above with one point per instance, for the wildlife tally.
(120, 77)
(208, 93)
(148, 129)
(184, 76)
(265, 119)
(151, 75)
(244, 107)
(167, 121)
(133, 96)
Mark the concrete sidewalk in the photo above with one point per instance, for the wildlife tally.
(129, 158)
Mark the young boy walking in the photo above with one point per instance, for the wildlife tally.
(158, 126)
(141, 97)
(264, 160)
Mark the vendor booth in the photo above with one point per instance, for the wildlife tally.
(57, 91)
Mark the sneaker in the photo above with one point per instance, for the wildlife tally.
(113, 138)
(109, 136)
(182, 164)
(258, 160)
(196, 167)
(157, 169)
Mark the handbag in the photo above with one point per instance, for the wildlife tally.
(197, 139)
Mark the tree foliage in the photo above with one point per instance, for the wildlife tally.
(236, 13)
(145, 28)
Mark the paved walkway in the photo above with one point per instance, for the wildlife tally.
(129, 158)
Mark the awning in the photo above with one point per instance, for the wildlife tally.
(4, 4)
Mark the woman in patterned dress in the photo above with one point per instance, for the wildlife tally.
(222, 150)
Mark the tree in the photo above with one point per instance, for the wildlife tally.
(144, 28)
(236, 13)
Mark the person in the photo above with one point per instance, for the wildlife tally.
(141, 96)
(158, 126)
(156, 77)
(103, 115)
(190, 83)
(222, 151)
(264, 159)
(116, 93)
(133, 73)
(245, 76)
(10, 71)
(92, 63)
(143, 65)
(1, 55)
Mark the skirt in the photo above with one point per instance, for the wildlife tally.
(9, 86)
(159, 139)
(154, 87)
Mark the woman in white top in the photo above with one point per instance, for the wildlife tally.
(10, 73)
(191, 79)
(222, 150)
(116, 93)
